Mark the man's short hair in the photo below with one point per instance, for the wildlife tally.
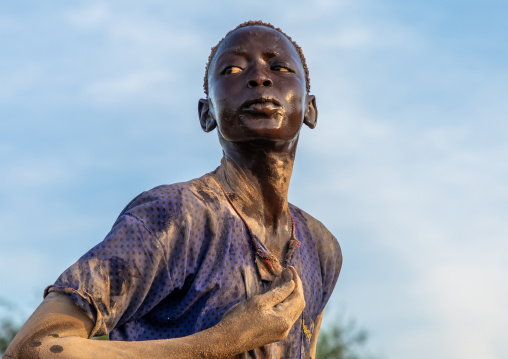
(258, 23)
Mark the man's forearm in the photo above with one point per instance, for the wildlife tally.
(58, 328)
(211, 343)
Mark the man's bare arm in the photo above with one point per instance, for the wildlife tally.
(56, 317)
(59, 328)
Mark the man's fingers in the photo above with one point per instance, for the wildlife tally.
(295, 302)
(296, 279)
(285, 276)
(277, 294)
(287, 273)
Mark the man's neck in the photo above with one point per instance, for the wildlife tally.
(256, 177)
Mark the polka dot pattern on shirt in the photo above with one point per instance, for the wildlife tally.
(178, 257)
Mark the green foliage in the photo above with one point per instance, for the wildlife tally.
(102, 337)
(341, 341)
(7, 332)
(8, 326)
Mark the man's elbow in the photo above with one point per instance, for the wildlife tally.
(23, 346)
(52, 321)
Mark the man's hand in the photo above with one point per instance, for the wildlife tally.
(268, 317)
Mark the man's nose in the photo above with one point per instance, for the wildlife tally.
(259, 78)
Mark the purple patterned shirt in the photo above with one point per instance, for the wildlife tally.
(179, 256)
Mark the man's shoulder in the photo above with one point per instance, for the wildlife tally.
(324, 243)
(173, 201)
(311, 227)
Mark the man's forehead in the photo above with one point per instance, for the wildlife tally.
(239, 39)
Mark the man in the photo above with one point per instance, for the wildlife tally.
(220, 266)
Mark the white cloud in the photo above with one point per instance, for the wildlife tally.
(14, 81)
(122, 27)
(148, 86)
(137, 61)
(470, 299)
(427, 198)
(350, 37)
(89, 17)
(36, 173)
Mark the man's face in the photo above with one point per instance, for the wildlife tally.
(257, 88)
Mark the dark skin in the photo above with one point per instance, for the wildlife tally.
(258, 102)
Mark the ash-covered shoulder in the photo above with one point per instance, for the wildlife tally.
(170, 203)
(324, 240)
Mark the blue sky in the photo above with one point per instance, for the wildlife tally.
(98, 102)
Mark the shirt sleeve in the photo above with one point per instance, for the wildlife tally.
(112, 280)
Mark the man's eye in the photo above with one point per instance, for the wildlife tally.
(281, 69)
(232, 70)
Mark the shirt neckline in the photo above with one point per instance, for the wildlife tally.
(269, 266)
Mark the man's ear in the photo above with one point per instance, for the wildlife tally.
(206, 119)
(310, 118)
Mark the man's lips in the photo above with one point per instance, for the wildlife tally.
(262, 104)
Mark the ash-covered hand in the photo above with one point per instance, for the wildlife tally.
(268, 317)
